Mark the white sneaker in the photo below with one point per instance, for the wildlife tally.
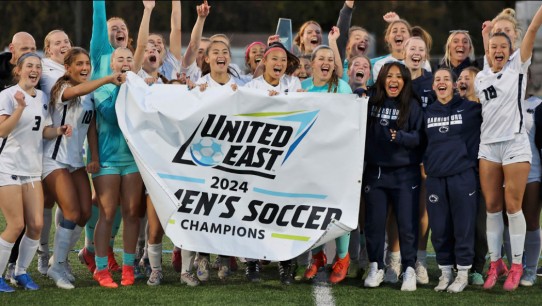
(68, 271)
(56, 273)
(422, 277)
(444, 281)
(409, 280)
(43, 262)
(189, 279)
(528, 278)
(461, 281)
(375, 276)
(155, 278)
(392, 272)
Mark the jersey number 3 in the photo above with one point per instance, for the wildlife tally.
(490, 93)
(38, 122)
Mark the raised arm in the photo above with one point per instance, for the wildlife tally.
(99, 41)
(88, 87)
(195, 37)
(143, 35)
(526, 49)
(175, 34)
(343, 23)
(333, 35)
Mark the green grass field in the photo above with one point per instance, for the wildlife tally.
(237, 291)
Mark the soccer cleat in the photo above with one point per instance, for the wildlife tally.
(444, 281)
(339, 269)
(145, 266)
(43, 262)
(155, 278)
(375, 276)
(252, 271)
(10, 273)
(300, 272)
(318, 261)
(353, 269)
(409, 280)
(189, 279)
(128, 277)
(203, 269)
(461, 281)
(422, 277)
(223, 267)
(112, 264)
(476, 279)
(26, 282)
(528, 279)
(4, 287)
(87, 258)
(103, 277)
(177, 260)
(514, 277)
(496, 270)
(285, 272)
(58, 275)
(393, 270)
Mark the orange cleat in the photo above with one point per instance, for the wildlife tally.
(339, 269)
(87, 258)
(103, 277)
(514, 276)
(318, 261)
(112, 264)
(128, 277)
(496, 270)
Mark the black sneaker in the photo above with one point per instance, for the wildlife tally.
(252, 271)
(286, 272)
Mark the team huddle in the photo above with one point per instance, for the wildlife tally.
(448, 148)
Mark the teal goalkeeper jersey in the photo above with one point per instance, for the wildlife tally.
(100, 48)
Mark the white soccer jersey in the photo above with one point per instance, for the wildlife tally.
(501, 95)
(212, 83)
(193, 72)
(170, 67)
(143, 74)
(287, 84)
(51, 72)
(78, 113)
(21, 151)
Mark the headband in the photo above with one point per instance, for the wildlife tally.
(27, 55)
(274, 49)
(252, 45)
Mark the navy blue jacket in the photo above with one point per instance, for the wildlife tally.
(452, 131)
(423, 87)
(406, 149)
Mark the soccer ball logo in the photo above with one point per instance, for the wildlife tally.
(206, 152)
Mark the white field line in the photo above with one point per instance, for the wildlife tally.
(321, 290)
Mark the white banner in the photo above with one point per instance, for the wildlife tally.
(243, 174)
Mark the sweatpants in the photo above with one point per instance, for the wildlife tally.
(452, 202)
(400, 187)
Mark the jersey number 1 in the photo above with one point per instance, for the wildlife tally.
(490, 92)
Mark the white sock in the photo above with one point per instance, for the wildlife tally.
(532, 249)
(394, 257)
(447, 269)
(44, 238)
(494, 230)
(5, 251)
(422, 256)
(27, 250)
(517, 228)
(188, 260)
(62, 244)
(462, 271)
(76, 234)
(155, 256)
(58, 217)
(506, 244)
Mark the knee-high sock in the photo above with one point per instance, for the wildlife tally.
(494, 231)
(27, 250)
(342, 245)
(43, 248)
(517, 227)
(89, 228)
(76, 234)
(188, 260)
(5, 251)
(532, 249)
(155, 256)
(62, 244)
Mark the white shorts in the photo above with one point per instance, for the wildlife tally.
(536, 172)
(511, 151)
(50, 165)
(7, 179)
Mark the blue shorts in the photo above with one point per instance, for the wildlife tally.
(117, 170)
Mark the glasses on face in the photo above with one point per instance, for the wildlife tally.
(459, 31)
